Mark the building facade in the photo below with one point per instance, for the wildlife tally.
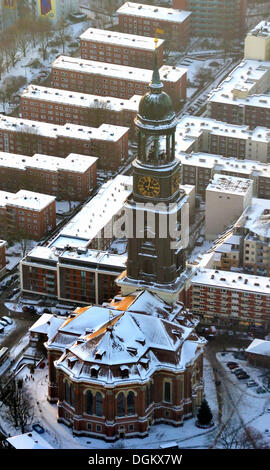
(26, 214)
(60, 106)
(88, 76)
(28, 137)
(2, 257)
(120, 48)
(70, 178)
(225, 18)
(150, 20)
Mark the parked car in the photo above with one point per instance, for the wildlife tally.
(237, 371)
(243, 376)
(29, 308)
(7, 319)
(260, 390)
(39, 429)
(251, 383)
(1, 329)
(2, 323)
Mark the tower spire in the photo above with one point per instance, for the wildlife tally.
(156, 85)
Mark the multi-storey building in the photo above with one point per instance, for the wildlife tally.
(226, 199)
(254, 228)
(2, 257)
(257, 42)
(150, 20)
(74, 264)
(199, 134)
(107, 142)
(88, 76)
(242, 97)
(70, 178)
(61, 106)
(199, 168)
(225, 18)
(229, 298)
(120, 48)
(26, 214)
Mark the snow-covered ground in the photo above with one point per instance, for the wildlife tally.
(62, 207)
(253, 406)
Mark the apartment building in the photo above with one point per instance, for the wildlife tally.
(121, 48)
(145, 20)
(229, 299)
(78, 264)
(200, 134)
(61, 106)
(198, 168)
(2, 257)
(225, 18)
(26, 213)
(257, 42)
(107, 142)
(226, 199)
(70, 178)
(242, 98)
(92, 77)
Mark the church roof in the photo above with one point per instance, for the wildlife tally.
(148, 335)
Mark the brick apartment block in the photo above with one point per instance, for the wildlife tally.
(26, 213)
(2, 257)
(61, 106)
(121, 48)
(70, 178)
(109, 143)
(134, 18)
(88, 76)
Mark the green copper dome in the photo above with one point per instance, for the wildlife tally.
(155, 106)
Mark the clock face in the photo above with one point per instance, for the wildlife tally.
(148, 186)
(175, 182)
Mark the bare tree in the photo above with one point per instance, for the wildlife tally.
(44, 28)
(62, 33)
(19, 408)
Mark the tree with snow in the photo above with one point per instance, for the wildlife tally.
(204, 414)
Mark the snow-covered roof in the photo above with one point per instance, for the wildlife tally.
(220, 163)
(47, 324)
(106, 132)
(256, 218)
(229, 185)
(167, 73)
(120, 39)
(261, 29)
(154, 12)
(73, 98)
(94, 215)
(30, 440)
(148, 334)
(251, 78)
(72, 163)
(229, 280)
(26, 200)
(190, 128)
(259, 346)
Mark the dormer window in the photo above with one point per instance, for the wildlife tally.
(124, 370)
(94, 371)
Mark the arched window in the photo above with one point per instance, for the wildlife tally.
(130, 403)
(67, 396)
(71, 392)
(89, 402)
(99, 411)
(167, 392)
(121, 404)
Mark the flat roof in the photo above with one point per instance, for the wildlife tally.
(73, 98)
(168, 73)
(26, 200)
(107, 132)
(30, 440)
(230, 280)
(152, 11)
(249, 77)
(261, 29)
(229, 185)
(120, 39)
(73, 162)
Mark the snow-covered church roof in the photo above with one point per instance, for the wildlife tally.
(126, 340)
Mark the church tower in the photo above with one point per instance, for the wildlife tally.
(157, 211)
